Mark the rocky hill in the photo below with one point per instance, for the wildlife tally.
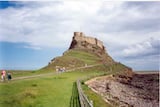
(82, 42)
(122, 88)
(83, 50)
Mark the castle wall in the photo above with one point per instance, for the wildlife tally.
(100, 44)
(79, 36)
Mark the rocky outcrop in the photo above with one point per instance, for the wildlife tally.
(140, 90)
(80, 41)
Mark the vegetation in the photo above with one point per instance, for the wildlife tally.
(97, 99)
(48, 91)
(86, 57)
(75, 102)
(20, 73)
(55, 90)
(74, 58)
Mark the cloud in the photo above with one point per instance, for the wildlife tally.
(31, 47)
(146, 48)
(44, 24)
(123, 18)
(124, 27)
(143, 63)
(51, 24)
(141, 56)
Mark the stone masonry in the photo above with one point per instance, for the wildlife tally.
(79, 36)
(82, 39)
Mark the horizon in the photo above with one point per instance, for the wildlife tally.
(33, 33)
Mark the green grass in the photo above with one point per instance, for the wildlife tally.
(48, 91)
(86, 57)
(41, 92)
(75, 102)
(74, 58)
(20, 73)
(55, 90)
(97, 99)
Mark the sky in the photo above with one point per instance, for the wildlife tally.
(34, 32)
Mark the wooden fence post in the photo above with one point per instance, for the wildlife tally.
(83, 98)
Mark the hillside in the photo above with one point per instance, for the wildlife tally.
(122, 87)
(86, 58)
(83, 51)
(72, 59)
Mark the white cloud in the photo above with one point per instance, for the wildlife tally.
(32, 47)
(148, 47)
(122, 26)
(143, 63)
(44, 24)
(51, 24)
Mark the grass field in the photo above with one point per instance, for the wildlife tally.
(48, 91)
(75, 100)
(55, 89)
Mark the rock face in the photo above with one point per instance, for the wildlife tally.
(80, 41)
(141, 90)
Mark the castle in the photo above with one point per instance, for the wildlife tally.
(80, 41)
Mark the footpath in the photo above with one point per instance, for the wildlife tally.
(48, 74)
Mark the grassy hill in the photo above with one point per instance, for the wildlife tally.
(74, 58)
(55, 90)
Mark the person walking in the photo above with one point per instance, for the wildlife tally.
(9, 76)
(3, 75)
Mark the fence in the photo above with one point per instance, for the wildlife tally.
(83, 98)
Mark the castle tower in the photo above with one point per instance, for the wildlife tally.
(77, 33)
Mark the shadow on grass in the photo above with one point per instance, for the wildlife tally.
(74, 101)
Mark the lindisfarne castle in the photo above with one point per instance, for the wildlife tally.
(81, 41)
(81, 37)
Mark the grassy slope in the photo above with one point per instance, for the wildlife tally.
(51, 91)
(74, 58)
(48, 91)
(54, 90)
(97, 99)
(85, 57)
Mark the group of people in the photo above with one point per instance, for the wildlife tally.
(4, 74)
(60, 69)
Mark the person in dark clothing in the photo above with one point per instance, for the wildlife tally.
(9, 76)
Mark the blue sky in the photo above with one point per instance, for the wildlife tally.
(32, 33)
(15, 56)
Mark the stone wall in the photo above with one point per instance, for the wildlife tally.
(80, 36)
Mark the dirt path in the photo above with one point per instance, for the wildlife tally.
(33, 76)
(53, 73)
(89, 66)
